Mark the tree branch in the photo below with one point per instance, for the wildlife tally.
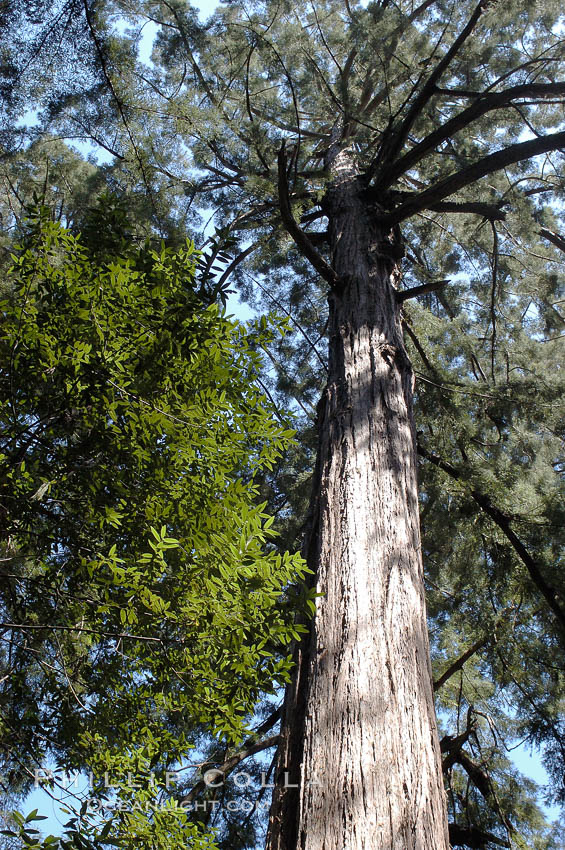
(268, 723)
(555, 238)
(301, 239)
(492, 212)
(195, 66)
(482, 105)
(235, 262)
(493, 162)
(109, 82)
(81, 629)
(472, 836)
(283, 125)
(494, 283)
(414, 291)
(476, 774)
(250, 748)
(389, 151)
(421, 9)
(311, 345)
(451, 745)
(417, 344)
(459, 662)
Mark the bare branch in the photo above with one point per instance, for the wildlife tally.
(492, 212)
(494, 283)
(311, 344)
(460, 662)
(268, 723)
(324, 40)
(482, 105)
(345, 74)
(250, 748)
(417, 344)
(283, 125)
(318, 237)
(451, 745)
(404, 294)
(487, 165)
(235, 262)
(421, 9)
(555, 238)
(301, 239)
(118, 635)
(396, 143)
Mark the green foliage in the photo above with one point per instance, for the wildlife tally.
(169, 828)
(141, 596)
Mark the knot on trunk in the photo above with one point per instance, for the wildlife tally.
(388, 353)
(394, 355)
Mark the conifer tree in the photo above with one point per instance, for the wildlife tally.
(405, 162)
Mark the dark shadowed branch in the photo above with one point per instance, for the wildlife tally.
(555, 238)
(394, 145)
(250, 747)
(460, 662)
(487, 165)
(482, 105)
(299, 236)
(472, 836)
(491, 212)
(414, 291)
(494, 282)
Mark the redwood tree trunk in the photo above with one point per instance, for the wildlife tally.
(358, 732)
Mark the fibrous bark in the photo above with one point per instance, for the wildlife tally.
(358, 733)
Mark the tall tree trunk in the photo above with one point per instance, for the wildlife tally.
(358, 733)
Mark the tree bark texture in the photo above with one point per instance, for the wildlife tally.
(358, 732)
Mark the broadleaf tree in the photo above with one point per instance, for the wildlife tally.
(143, 605)
(402, 163)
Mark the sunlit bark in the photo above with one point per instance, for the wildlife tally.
(358, 734)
